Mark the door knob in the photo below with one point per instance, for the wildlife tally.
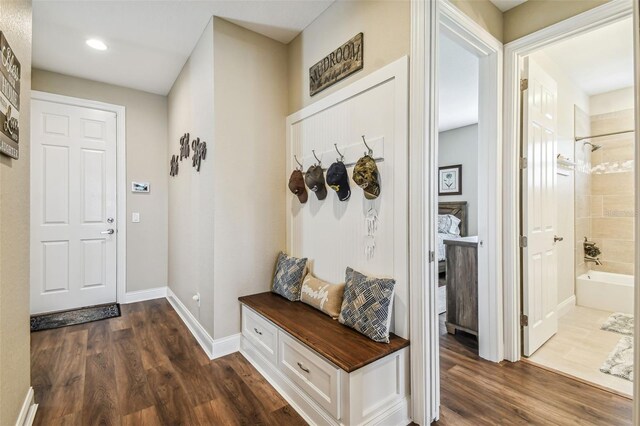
(108, 232)
(110, 220)
(556, 238)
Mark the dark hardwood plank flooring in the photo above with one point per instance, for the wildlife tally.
(145, 368)
(478, 392)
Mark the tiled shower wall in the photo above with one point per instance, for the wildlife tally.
(582, 189)
(612, 191)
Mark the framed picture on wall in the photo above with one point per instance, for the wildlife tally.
(450, 180)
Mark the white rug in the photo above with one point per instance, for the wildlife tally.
(620, 360)
(619, 323)
(442, 299)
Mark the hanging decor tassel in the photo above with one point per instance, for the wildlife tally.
(371, 222)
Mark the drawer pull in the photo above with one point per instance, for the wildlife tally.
(306, 370)
(257, 331)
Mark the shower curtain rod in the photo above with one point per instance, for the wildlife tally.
(578, 139)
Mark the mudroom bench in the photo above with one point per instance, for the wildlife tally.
(330, 373)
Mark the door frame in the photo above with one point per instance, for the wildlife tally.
(426, 17)
(514, 53)
(121, 177)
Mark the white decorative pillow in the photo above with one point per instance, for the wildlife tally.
(323, 296)
(448, 224)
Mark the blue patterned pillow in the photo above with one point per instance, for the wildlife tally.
(367, 303)
(287, 281)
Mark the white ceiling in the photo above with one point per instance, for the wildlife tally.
(458, 85)
(149, 41)
(599, 61)
(505, 5)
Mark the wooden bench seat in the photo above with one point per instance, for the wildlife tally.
(339, 344)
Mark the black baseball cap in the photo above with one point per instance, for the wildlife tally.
(315, 181)
(338, 180)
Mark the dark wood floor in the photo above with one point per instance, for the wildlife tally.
(145, 368)
(478, 392)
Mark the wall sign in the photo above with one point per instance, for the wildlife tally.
(199, 149)
(337, 65)
(9, 100)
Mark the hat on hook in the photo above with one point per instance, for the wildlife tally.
(338, 180)
(315, 181)
(296, 185)
(365, 174)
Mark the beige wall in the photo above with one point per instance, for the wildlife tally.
(534, 15)
(146, 117)
(483, 12)
(387, 36)
(191, 193)
(15, 23)
(249, 157)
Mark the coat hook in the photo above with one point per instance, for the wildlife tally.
(299, 163)
(369, 150)
(341, 159)
(317, 159)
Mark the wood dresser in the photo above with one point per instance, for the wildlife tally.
(331, 374)
(462, 285)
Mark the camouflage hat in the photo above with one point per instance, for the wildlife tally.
(365, 175)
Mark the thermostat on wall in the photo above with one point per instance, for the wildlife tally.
(140, 186)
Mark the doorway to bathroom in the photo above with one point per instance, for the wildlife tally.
(577, 206)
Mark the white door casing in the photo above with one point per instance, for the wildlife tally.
(540, 278)
(73, 205)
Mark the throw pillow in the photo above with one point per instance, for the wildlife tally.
(367, 303)
(287, 280)
(323, 296)
(448, 224)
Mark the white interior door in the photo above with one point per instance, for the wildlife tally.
(73, 207)
(540, 278)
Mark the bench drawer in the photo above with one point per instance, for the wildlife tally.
(261, 333)
(315, 376)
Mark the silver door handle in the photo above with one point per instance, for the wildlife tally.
(556, 238)
(306, 370)
(108, 232)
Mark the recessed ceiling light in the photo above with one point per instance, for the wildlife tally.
(96, 44)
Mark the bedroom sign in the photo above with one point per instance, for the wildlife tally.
(9, 100)
(340, 63)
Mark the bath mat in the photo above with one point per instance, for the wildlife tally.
(74, 317)
(620, 360)
(619, 323)
(442, 300)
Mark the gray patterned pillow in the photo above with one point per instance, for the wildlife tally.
(287, 281)
(367, 303)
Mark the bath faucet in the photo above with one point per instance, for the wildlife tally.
(595, 260)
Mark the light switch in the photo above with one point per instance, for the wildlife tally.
(135, 217)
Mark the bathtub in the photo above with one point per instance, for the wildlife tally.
(605, 291)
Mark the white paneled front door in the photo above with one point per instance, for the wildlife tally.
(539, 217)
(73, 207)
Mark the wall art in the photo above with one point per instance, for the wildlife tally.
(140, 186)
(199, 152)
(339, 64)
(184, 146)
(9, 100)
(450, 180)
(174, 166)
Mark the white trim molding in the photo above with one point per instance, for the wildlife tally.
(213, 348)
(142, 295)
(28, 410)
(121, 176)
(636, 299)
(514, 53)
(566, 306)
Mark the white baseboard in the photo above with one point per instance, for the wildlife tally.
(226, 345)
(566, 306)
(142, 295)
(213, 348)
(28, 410)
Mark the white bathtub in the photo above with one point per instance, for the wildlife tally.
(605, 291)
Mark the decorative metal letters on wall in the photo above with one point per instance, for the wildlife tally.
(199, 149)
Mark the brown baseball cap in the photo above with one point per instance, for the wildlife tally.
(296, 185)
(315, 181)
